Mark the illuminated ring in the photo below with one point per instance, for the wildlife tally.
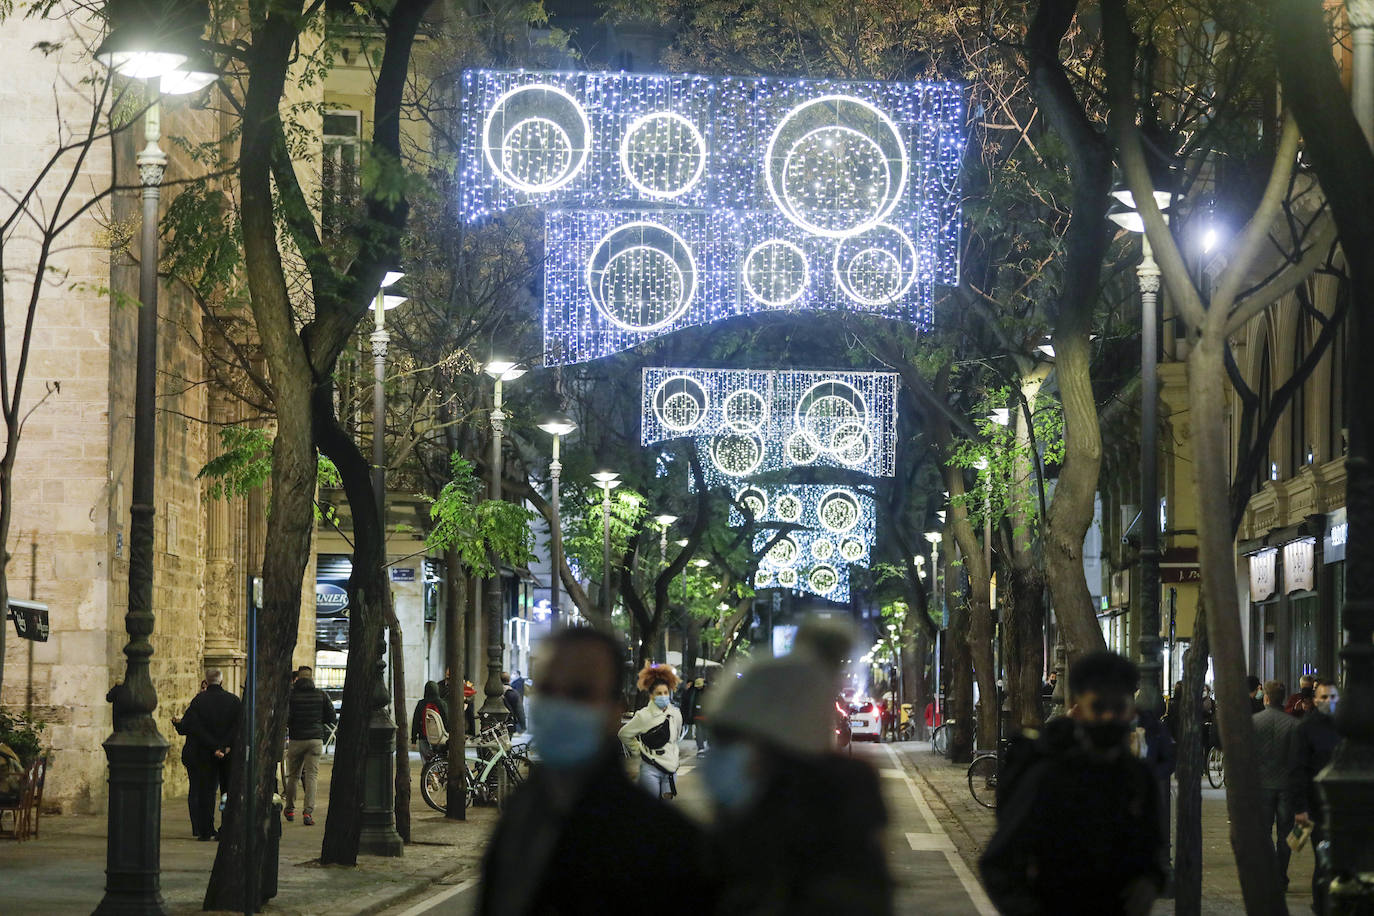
(832, 497)
(800, 449)
(787, 578)
(822, 548)
(780, 199)
(755, 499)
(701, 402)
(783, 553)
(632, 178)
(788, 508)
(743, 417)
(792, 155)
(844, 275)
(640, 252)
(852, 549)
(509, 149)
(843, 442)
(805, 415)
(818, 579)
(763, 578)
(758, 250)
(580, 153)
(689, 281)
(738, 468)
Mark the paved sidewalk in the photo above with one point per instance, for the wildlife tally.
(63, 871)
(972, 826)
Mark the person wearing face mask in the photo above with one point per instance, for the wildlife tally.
(1078, 823)
(799, 828)
(578, 834)
(1316, 741)
(652, 733)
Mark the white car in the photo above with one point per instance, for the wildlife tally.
(865, 721)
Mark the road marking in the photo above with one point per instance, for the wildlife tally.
(929, 842)
(891, 774)
(976, 895)
(428, 905)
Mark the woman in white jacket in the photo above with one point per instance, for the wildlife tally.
(654, 731)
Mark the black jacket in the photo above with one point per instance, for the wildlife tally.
(515, 705)
(612, 849)
(1316, 741)
(209, 725)
(311, 711)
(1075, 830)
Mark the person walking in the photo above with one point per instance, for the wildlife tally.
(209, 725)
(1078, 821)
(689, 705)
(1316, 741)
(311, 710)
(653, 732)
(515, 704)
(1256, 688)
(577, 837)
(1276, 735)
(698, 709)
(429, 721)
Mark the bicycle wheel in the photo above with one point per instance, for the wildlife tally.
(939, 740)
(1216, 768)
(982, 780)
(434, 783)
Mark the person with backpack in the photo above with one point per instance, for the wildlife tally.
(429, 721)
(652, 733)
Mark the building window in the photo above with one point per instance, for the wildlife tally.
(339, 169)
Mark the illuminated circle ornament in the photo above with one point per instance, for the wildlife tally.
(787, 578)
(836, 165)
(829, 413)
(838, 511)
(784, 552)
(851, 550)
(876, 267)
(755, 499)
(680, 403)
(663, 154)
(850, 443)
(536, 138)
(737, 455)
(800, 449)
(745, 411)
(788, 508)
(823, 579)
(776, 272)
(642, 276)
(822, 548)
(763, 578)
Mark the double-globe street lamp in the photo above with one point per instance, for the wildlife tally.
(160, 45)
(558, 426)
(494, 709)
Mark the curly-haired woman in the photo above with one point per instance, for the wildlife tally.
(654, 731)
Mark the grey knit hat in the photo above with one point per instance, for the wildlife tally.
(787, 702)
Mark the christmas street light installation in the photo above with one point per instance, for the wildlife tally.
(494, 709)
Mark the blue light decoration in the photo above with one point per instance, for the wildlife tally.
(676, 201)
(840, 526)
(748, 421)
(826, 580)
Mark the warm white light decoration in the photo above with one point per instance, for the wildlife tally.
(750, 421)
(829, 580)
(786, 193)
(843, 518)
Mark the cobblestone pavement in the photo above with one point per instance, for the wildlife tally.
(63, 870)
(971, 825)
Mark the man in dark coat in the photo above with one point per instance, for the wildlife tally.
(209, 726)
(579, 837)
(1276, 735)
(1316, 741)
(310, 715)
(515, 704)
(1078, 825)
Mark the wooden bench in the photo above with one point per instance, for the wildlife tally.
(24, 812)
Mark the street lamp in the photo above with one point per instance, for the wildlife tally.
(144, 43)
(608, 481)
(1147, 274)
(494, 709)
(665, 521)
(558, 426)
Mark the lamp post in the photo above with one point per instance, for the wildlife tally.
(378, 836)
(933, 538)
(158, 49)
(557, 426)
(608, 481)
(494, 709)
(1124, 214)
(665, 521)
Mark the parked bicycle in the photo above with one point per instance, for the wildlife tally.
(498, 769)
(940, 736)
(1216, 769)
(982, 777)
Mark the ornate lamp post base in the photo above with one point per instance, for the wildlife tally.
(378, 836)
(133, 882)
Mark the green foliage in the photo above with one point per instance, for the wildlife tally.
(478, 528)
(583, 529)
(244, 464)
(24, 735)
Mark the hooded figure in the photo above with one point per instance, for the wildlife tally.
(429, 721)
(799, 828)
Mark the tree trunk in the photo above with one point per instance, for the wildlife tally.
(915, 688)
(981, 637)
(960, 681)
(691, 646)
(398, 701)
(1250, 841)
(1023, 646)
(1188, 842)
(455, 606)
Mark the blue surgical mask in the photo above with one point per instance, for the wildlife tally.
(730, 779)
(661, 702)
(567, 734)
